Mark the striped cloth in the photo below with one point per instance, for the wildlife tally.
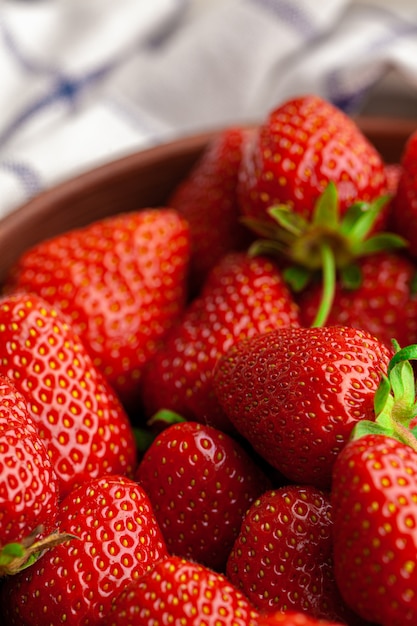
(87, 81)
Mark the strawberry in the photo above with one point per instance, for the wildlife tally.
(116, 540)
(304, 144)
(120, 281)
(296, 393)
(291, 618)
(404, 205)
(241, 297)
(384, 303)
(282, 557)
(375, 518)
(318, 194)
(177, 591)
(79, 418)
(200, 513)
(207, 199)
(28, 483)
(374, 502)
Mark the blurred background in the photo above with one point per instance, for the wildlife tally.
(87, 81)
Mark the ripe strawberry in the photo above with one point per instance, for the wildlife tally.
(328, 246)
(282, 557)
(207, 199)
(200, 513)
(28, 483)
(117, 540)
(317, 192)
(304, 144)
(121, 282)
(291, 618)
(296, 393)
(384, 303)
(374, 538)
(77, 415)
(374, 501)
(404, 205)
(242, 296)
(177, 591)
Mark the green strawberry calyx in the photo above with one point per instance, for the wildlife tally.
(395, 403)
(17, 556)
(329, 243)
(163, 418)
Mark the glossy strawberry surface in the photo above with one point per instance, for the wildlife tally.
(384, 304)
(116, 540)
(296, 393)
(28, 483)
(77, 414)
(120, 281)
(304, 143)
(374, 498)
(282, 557)
(201, 483)
(108, 317)
(178, 591)
(207, 199)
(242, 297)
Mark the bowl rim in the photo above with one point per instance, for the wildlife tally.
(75, 186)
(179, 153)
(386, 127)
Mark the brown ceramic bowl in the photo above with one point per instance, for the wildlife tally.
(142, 179)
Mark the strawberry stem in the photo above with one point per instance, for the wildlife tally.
(327, 242)
(164, 418)
(329, 285)
(15, 557)
(406, 436)
(395, 400)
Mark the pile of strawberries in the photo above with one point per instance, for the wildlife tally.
(208, 409)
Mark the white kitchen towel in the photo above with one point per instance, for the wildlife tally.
(87, 81)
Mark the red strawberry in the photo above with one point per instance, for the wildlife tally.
(304, 144)
(117, 541)
(374, 499)
(78, 416)
(291, 618)
(404, 205)
(207, 199)
(178, 591)
(122, 283)
(28, 483)
(243, 296)
(282, 557)
(200, 513)
(296, 393)
(384, 303)
(315, 189)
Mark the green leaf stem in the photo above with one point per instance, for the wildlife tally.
(395, 403)
(329, 243)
